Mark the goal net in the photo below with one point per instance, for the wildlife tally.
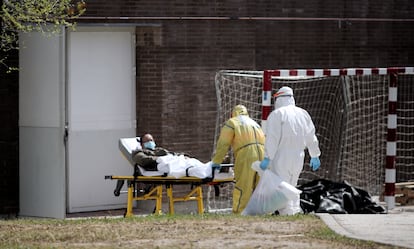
(349, 108)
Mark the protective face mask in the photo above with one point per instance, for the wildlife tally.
(149, 145)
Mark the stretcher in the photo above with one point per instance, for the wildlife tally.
(156, 191)
(155, 181)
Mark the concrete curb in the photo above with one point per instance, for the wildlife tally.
(334, 225)
(395, 228)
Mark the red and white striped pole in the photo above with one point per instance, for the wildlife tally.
(390, 169)
(266, 97)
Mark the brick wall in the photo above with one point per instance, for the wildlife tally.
(177, 58)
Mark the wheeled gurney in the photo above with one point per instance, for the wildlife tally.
(156, 181)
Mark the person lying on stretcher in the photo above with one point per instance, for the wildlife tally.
(150, 160)
(147, 155)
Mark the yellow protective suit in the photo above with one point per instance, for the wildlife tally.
(246, 139)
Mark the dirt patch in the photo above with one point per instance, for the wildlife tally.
(198, 231)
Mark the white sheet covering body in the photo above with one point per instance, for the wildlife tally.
(179, 166)
(173, 165)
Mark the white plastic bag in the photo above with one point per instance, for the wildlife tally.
(290, 191)
(271, 194)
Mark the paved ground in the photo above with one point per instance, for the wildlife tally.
(394, 228)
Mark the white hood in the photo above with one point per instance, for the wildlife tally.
(284, 101)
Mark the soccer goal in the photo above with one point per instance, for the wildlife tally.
(356, 113)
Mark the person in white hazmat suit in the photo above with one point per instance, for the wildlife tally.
(289, 131)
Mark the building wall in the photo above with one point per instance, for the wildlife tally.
(181, 44)
(9, 137)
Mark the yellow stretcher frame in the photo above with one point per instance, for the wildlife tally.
(196, 194)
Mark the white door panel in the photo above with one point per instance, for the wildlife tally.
(101, 109)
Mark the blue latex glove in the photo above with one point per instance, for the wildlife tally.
(215, 166)
(265, 163)
(315, 163)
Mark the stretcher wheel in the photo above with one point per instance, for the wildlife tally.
(216, 190)
(118, 187)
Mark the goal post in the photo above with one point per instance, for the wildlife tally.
(355, 112)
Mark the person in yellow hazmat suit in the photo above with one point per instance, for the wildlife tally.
(246, 139)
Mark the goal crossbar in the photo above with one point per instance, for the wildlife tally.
(268, 74)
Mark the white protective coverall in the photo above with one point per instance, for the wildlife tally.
(289, 131)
